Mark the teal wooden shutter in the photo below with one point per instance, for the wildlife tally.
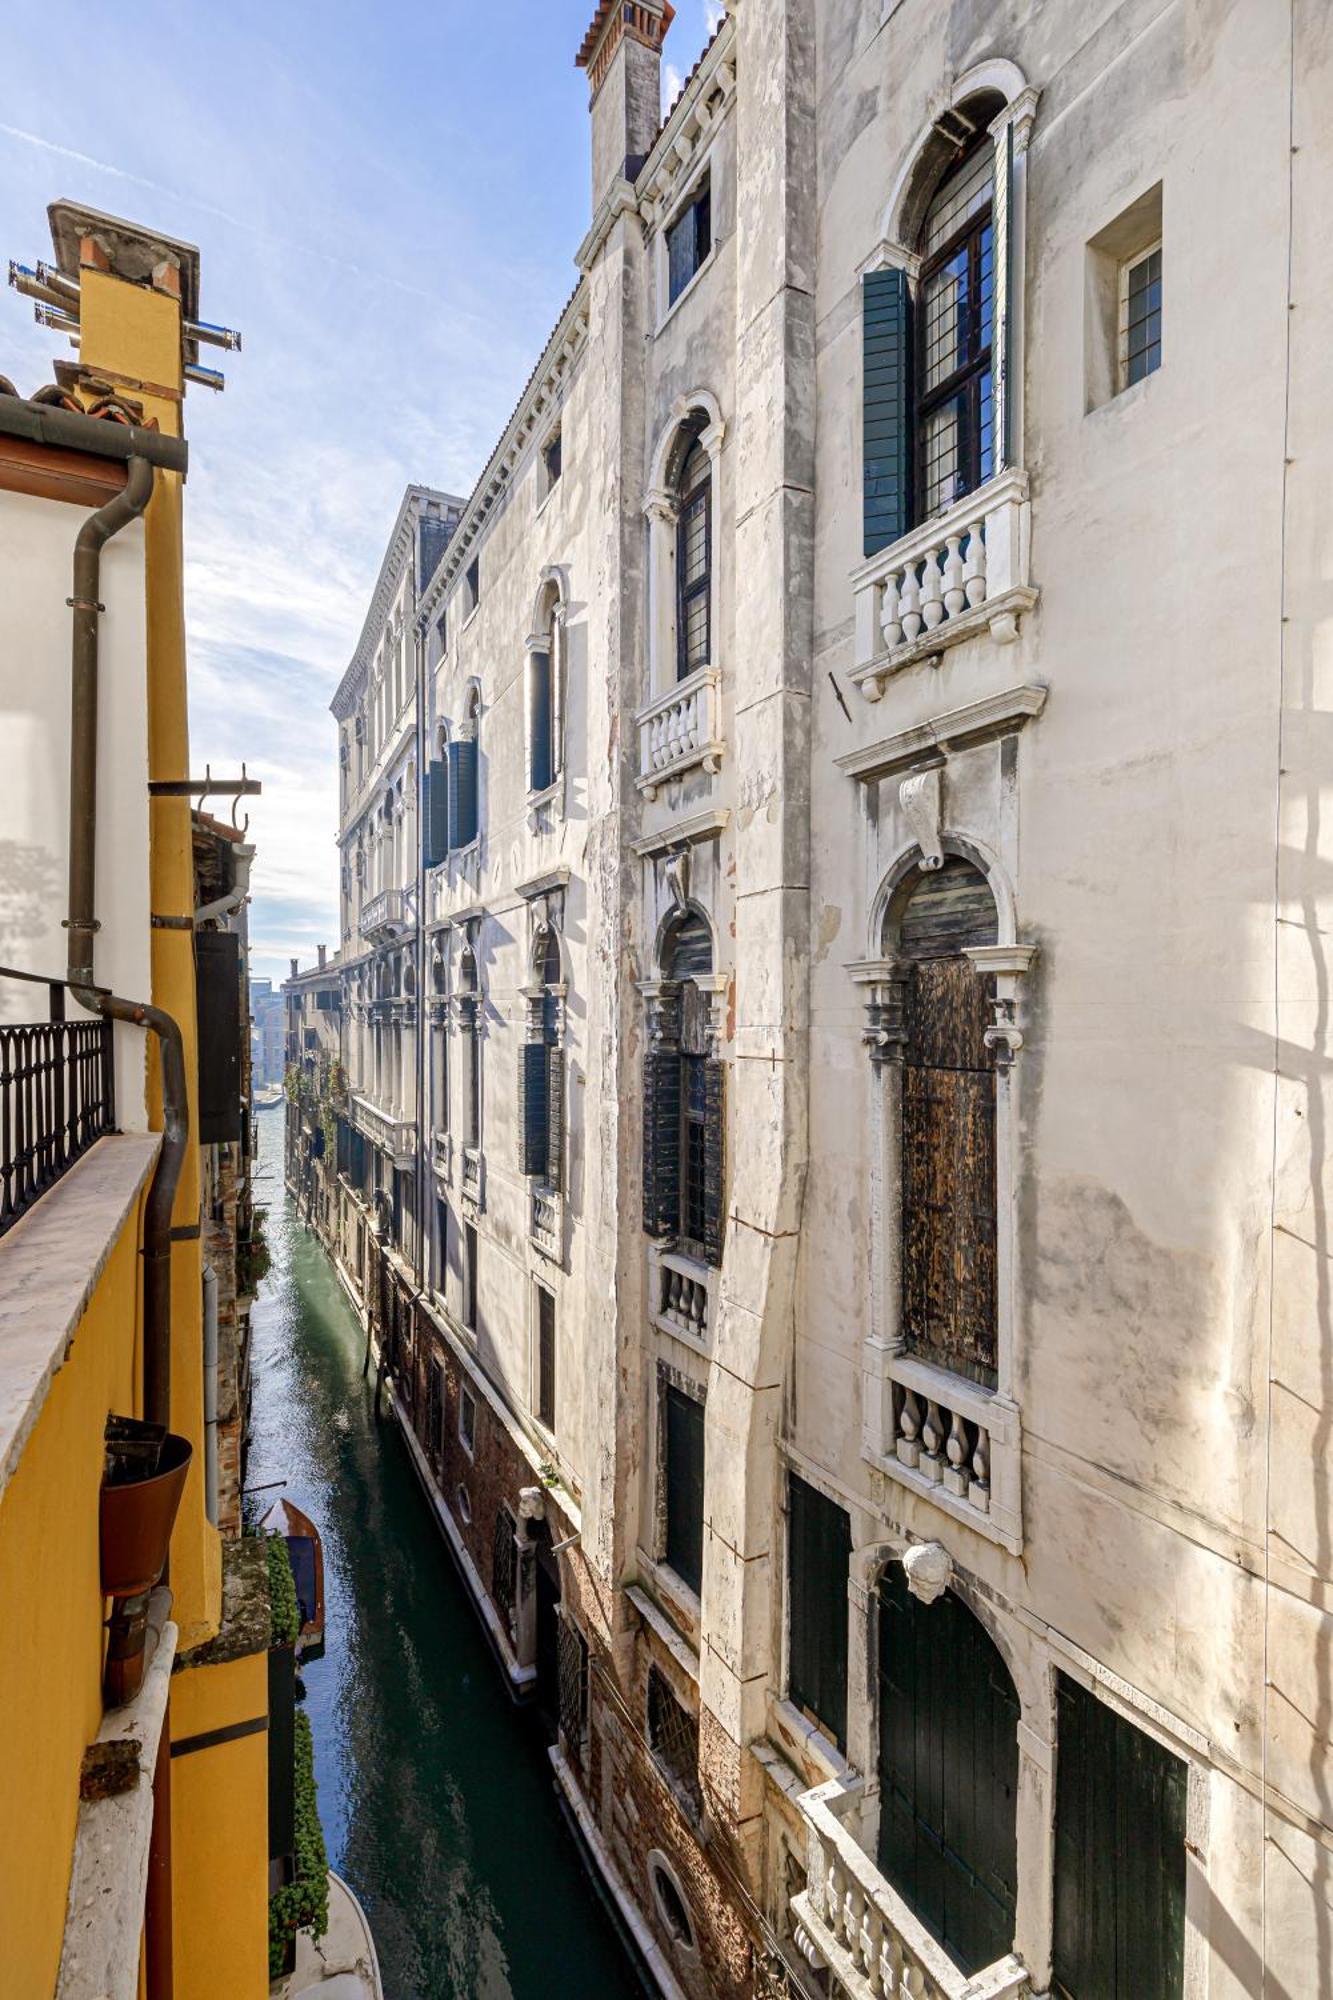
(685, 1486)
(462, 792)
(541, 748)
(437, 812)
(532, 1136)
(1119, 1856)
(661, 1142)
(715, 1195)
(819, 1553)
(886, 422)
(555, 1116)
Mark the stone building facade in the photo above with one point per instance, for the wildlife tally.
(857, 1303)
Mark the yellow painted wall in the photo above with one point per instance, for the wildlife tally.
(219, 1834)
(51, 1653)
(136, 332)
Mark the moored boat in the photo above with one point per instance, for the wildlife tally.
(306, 1553)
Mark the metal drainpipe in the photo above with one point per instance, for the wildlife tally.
(211, 1393)
(419, 675)
(96, 532)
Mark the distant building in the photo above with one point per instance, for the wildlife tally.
(268, 1034)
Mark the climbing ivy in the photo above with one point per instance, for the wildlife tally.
(283, 1610)
(303, 1903)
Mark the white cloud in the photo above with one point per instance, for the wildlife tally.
(671, 83)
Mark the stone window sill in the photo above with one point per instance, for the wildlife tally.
(50, 1263)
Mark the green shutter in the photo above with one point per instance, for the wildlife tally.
(1119, 1856)
(715, 1194)
(462, 792)
(555, 1117)
(661, 1142)
(819, 1553)
(532, 1106)
(886, 408)
(437, 812)
(685, 1487)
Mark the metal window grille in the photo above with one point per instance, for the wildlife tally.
(572, 1663)
(57, 1097)
(673, 1737)
(1140, 325)
(504, 1564)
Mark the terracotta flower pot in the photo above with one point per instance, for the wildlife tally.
(141, 1492)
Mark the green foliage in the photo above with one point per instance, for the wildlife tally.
(328, 1122)
(292, 1083)
(303, 1903)
(284, 1610)
(253, 1260)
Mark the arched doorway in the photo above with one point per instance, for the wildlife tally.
(948, 1769)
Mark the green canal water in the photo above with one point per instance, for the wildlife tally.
(436, 1795)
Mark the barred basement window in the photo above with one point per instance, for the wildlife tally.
(467, 1422)
(435, 1410)
(572, 1666)
(673, 1737)
(504, 1564)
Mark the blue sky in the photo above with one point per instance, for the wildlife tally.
(387, 199)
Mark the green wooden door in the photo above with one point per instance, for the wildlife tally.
(948, 1768)
(1119, 1857)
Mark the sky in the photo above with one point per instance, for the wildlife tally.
(387, 200)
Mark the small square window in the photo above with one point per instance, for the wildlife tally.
(467, 1422)
(1140, 319)
(689, 240)
(552, 464)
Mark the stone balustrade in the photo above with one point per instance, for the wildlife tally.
(959, 1444)
(963, 573)
(850, 1920)
(945, 1447)
(680, 730)
(545, 1220)
(680, 1294)
(385, 915)
(394, 1135)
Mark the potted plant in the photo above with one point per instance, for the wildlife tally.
(144, 1477)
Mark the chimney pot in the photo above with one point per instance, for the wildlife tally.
(322, 951)
(622, 53)
(296, 966)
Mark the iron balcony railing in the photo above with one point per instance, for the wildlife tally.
(57, 1096)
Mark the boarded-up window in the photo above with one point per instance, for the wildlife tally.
(1119, 1857)
(819, 1549)
(948, 1125)
(683, 1438)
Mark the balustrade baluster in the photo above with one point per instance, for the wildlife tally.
(974, 566)
(955, 594)
(909, 1429)
(979, 1489)
(932, 1438)
(852, 1904)
(932, 591)
(958, 1450)
(909, 603)
(890, 621)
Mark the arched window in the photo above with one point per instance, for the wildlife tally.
(546, 692)
(955, 410)
(948, 1121)
(541, 1076)
(694, 556)
(683, 1128)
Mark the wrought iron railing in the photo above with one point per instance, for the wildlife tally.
(57, 1096)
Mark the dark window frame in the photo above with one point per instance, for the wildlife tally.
(689, 592)
(545, 1357)
(964, 384)
(682, 1433)
(689, 239)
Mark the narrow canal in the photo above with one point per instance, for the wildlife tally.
(436, 1796)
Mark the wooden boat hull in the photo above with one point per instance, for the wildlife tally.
(306, 1553)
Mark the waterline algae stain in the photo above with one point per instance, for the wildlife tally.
(435, 1794)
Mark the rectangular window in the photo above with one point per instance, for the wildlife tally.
(683, 1438)
(694, 567)
(693, 1199)
(551, 460)
(469, 1277)
(545, 1358)
(441, 1245)
(467, 1421)
(1120, 1800)
(435, 1410)
(573, 1691)
(689, 240)
(673, 1737)
(442, 633)
(819, 1552)
(1140, 318)
(474, 583)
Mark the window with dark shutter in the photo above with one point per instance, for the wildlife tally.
(948, 1125)
(533, 1127)
(541, 724)
(461, 788)
(437, 812)
(661, 1141)
(217, 957)
(1119, 1856)
(688, 240)
(474, 583)
(886, 408)
(555, 1118)
(545, 1358)
(819, 1552)
(684, 1481)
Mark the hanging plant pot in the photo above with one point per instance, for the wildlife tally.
(146, 1468)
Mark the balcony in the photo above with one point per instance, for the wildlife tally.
(680, 1295)
(57, 1096)
(849, 1920)
(393, 1135)
(386, 916)
(965, 572)
(546, 1221)
(680, 731)
(959, 1445)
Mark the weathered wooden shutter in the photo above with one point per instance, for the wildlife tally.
(217, 967)
(437, 812)
(545, 1358)
(1119, 1855)
(715, 1135)
(541, 761)
(685, 1486)
(819, 1552)
(532, 1133)
(1002, 346)
(462, 792)
(661, 1142)
(555, 1117)
(886, 423)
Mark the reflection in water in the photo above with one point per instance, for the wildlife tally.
(436, 1797)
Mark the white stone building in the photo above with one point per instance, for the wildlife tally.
(871, 1354)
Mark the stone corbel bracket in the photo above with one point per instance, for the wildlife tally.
(1008, 964)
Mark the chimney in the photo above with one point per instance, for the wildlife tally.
(296, 967)
(622, 53)
(322, 950)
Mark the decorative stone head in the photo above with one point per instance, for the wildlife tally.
(929, 1570)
